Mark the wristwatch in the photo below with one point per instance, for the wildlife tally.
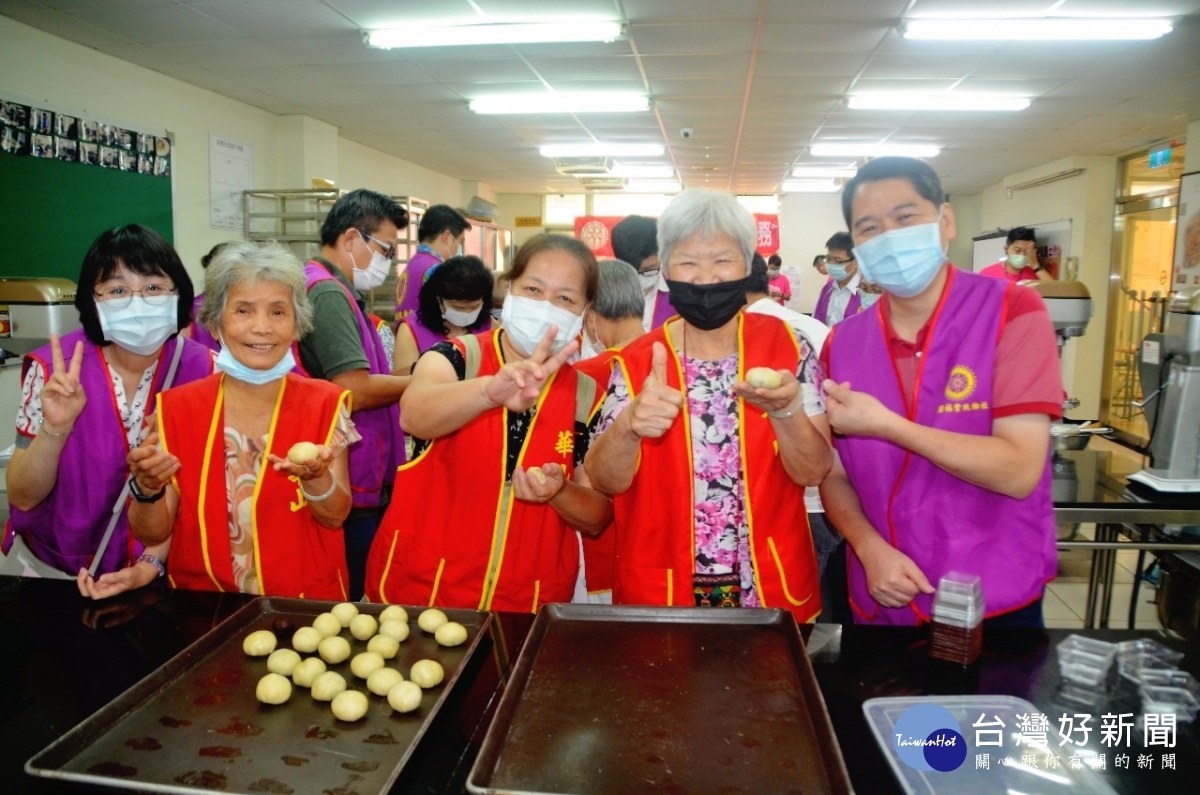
(141, 496)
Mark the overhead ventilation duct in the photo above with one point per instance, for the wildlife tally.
(604, 183)
(480, 209)
(583, 166)
(1046, 180)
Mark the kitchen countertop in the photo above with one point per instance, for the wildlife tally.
(1093, 486)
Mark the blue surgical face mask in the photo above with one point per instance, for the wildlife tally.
(229, 365)
(902, 261)
(868, 299)
(838, 272)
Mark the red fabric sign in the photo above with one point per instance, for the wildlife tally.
(596, 232)
(768, 234)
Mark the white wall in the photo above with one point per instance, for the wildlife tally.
(514, 204)
(806, 221)
(967, 211)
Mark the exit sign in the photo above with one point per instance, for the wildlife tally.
(1160, 157)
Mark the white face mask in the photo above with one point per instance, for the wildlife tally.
(374, 274)
(526, 322)
(140, 328)
(648, 280)
(458, 317)
(592, 346)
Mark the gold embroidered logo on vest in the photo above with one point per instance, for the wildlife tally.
(300, 502)
(565, 444)
(959, 386)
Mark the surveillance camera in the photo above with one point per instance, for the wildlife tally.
(686, 132)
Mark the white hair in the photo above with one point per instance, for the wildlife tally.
(243, 261)
(709, 212)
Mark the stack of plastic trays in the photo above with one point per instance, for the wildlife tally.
(1165, 690)
(1084, 664)
(957, 632)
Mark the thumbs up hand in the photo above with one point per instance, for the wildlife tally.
(655, 408)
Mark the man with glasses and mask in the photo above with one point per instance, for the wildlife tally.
(440, 236)
(358, 247)
(635, 240)
(940, 400)
(839, 297)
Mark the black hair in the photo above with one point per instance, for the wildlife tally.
(1020, 233)
(817, 260)
(463, 278)
(438, 219)
(207, 259)
(774, 261)
(634, 238)
(919, 174)
(841, 241)
(757, 281)
(572, 245)
(364, 210)
(140, 250)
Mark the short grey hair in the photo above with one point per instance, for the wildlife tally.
(243, 261)
(709, 212)
(620, 295)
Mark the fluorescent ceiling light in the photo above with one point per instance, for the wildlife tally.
(810, 186)
(873, 150)
(1055, 29)
(601, 150)
(816, 172)
(953, 101)
(643, 172)
(561, 102)
(502, 33)
(654, 186)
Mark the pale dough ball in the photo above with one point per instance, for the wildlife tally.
(349, 706)
(382, 681)
(763, 377)
(538, 475)
(363, 626)
(303, 451)
(384, 646)
(308, 670)
(283, 662)
(451, 633)
(344, 612)
(404, 697)
(427, 673)
(394, 613)
(327, 624)
(306, 639)
(396, 630)
(327, 685)
(273, 689)
(363, 665)
(334, 650)
(260, 643)
(431, 619)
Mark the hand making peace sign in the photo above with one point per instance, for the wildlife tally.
(517, 385)
(63, 397)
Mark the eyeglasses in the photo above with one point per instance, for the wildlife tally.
(121, 297)
(839, 261)
(389, 249)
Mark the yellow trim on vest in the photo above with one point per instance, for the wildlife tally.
(671, 587)
(345, 398)
(208, 446)
(782, 579)
(171, 581)
(629, 389)
(262, 476)
(537, 591)
(501, 501)
(437, 581)
(341, 585)
(387, 567)
(687, 435)
(746, 507)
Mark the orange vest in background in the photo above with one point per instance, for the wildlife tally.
(656, 545)
(599, 554)
(295, 556)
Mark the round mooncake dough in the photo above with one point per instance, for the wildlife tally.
(327, 624)
(364, 664)
(283, 662)
(344, 612)
(396, 630)
(427, 673)
(306, 639)
(363, 626)
(327, 685)
(260, 643)
(382, 681)
(431, 619)
(273, 689)
(306, 671)
(349, 705)
(451, 633)
(384, 646)
(404, 697)
(334, 650)
(394, 613)
(303, 451)
(763, 378)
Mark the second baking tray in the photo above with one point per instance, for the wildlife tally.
(644, 699)
(195, 726)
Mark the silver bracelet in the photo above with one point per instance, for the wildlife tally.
(789, 411)
(320, 497)
(43, 429)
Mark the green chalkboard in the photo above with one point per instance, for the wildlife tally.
(52, 210)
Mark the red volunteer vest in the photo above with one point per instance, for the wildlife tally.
(294, 555)
(599, 554)
(461, 539)
(656, 545)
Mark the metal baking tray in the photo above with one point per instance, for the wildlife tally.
(195, 726)
(641, 699)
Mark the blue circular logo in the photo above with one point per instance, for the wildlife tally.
(927, 737)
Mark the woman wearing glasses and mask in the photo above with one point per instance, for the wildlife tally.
(221, 477)
(486, 513)
(707, 472)
(452, 304)
(83, 402)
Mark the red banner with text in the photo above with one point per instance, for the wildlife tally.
(596, 232)
(768, 234)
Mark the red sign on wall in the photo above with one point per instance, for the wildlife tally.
(596, 232)
(768, 234)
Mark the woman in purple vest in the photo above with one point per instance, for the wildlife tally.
(83, 404)
(451, 305)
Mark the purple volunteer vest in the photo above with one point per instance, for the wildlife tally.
(943, 523)
(199, 332)
(663, 311)
(409, 281)
(422, 333)
(373, 460)
(65, 529)
(822, 310)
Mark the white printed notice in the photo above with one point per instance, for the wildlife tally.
(230, 171)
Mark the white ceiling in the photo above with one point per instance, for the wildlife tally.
(758, 81)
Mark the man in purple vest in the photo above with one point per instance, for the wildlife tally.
(635, 240)
(439, 236)
(940, 397)
(839, 296)
(358, 245)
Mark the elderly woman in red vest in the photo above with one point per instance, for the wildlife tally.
(706, 471)
(219, 477)
(494, 495)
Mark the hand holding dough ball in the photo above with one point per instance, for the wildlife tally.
(260, 643)
(365, 664)
(349, 706)
(763, 378)
(396, 630)
(301, 452)
(306, 672)
(327, 685)
(386, 647)
(394, 613)
(538, 475)
(404, 697)
(273, 689)
(363, 626)
(382, 681)
(427, 673)
(283, 662)
(344, 612)
(334, 650)
(306, 639)
(451, 633)
(327, 624)
(431, 619)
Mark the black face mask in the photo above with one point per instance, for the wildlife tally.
(708, 306)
